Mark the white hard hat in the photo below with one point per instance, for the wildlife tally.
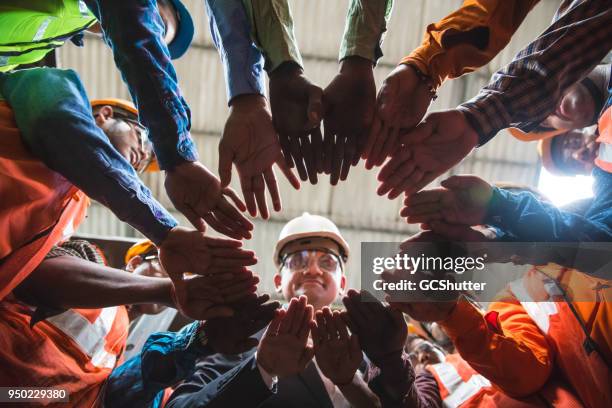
(313, 226)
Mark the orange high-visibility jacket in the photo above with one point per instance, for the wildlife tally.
(521, 342)
(604, 126)
(75, 350)
(462, 386)
(468, 38)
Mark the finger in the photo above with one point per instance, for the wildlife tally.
(425, 197)
(270, 179)
(306, 356)
(193, 218)
(293, 180)
(341, 328)
(309, 160)
(458, 182)
(321, 327)
(304, 328)
(288, 320)
(349, 152)
(274, 325)
(425, 179)
(376, 152)
(315, 334)
(315, 107)
(241, 223)
(337, 160)
(390, 144)
(298, 318)
(248, 194)
(285, 145)
(229, 192)
(372, 135)
(355, 348)
(399, 159)
(296, 153)
(317, 148)
(226, 158)
(362, 139)
(223, 262)
(328, 155)
(221, 227)
(259, 189)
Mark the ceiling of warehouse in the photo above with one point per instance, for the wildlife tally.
(319, 24)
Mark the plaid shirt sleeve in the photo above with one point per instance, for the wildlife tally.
(366, 23)
(524, 92)
(134, 30)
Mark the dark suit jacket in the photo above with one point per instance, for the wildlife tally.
(234, 381)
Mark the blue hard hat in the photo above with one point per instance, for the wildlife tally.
(184, 34)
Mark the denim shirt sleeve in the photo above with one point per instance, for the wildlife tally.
(53, 114)
(165, 359)
(134, 30)
(528, 219)
(242, 61)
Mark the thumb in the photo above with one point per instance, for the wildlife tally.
(315, 107)
(387, 100)
(193, 218)
(457, 182)
(225, 164)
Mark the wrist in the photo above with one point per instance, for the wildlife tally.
(287, 69)
(424, 79)
(356, 63)
(248, 102)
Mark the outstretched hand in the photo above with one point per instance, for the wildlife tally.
(440, 142)
(297, 110)
(250, 142)
(197, 193)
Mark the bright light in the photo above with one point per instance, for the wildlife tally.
(562, 190)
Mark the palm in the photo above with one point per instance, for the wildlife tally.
(335, 360)
(285, 348)
(403, 97)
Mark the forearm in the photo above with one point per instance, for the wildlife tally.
(468, 38)
(529, 219)
(134, 30)
(68, 282)
(358, 394)
(272, 31)
(503, 351)
(242, 60)
(366, 23)
(52, 112)
(524, 92)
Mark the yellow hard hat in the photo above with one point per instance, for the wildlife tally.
(310, 226)
(546, 155)
(127, 109)
(142, 248)
(535, 134)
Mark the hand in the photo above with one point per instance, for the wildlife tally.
(381, 331)
(186, 250)
(232, 335)
(440, 142)
(426, 311)
(338, 354)
(461, 200)
(283, 350)
(458, 232)
(250, 142)
(297, 110)
(198, 194)
(402, 101)
(349, 100)
(210, 296)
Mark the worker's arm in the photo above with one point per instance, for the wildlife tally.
(272, 30)
(366, 22)
(527, 90)
(67, 282)
(531, 220)
(134, 30)
(505, 346)
(166, 359)
(242, 60)
(468, 38)
(52, 111)
(397, 385)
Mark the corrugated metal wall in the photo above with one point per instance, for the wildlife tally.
(353, 205)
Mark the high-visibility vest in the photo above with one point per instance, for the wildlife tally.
(462, 386)
(38, 209)
(577, 356)
(29, 29)
(75, 350)
(604, 126)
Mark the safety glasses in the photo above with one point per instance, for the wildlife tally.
(299, 261)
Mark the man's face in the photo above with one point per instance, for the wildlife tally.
(127, 137)
(311, 267)
(168, 15)
(575, 110)
(576, 150)
(423, 352)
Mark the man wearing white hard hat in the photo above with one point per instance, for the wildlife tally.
(310, 256)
